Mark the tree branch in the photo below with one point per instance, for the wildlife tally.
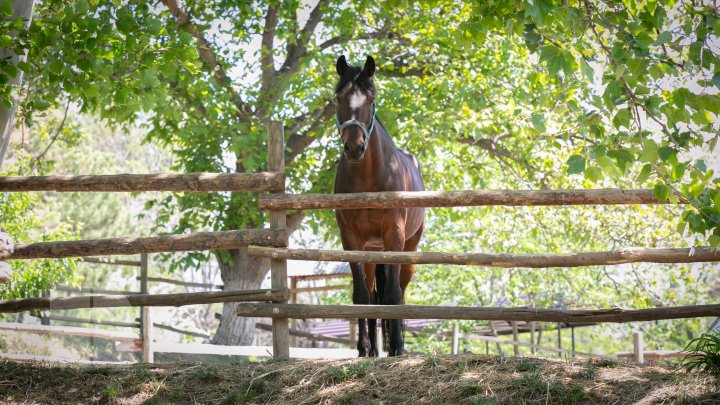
(384, 33)
(54, 138)
(295, 51)
(300, 138)
(266, 50)
(208, 57)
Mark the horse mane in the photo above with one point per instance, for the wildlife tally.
(355, 75)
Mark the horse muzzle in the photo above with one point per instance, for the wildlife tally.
(355, 153)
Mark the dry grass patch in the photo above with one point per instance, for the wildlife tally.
(467, 379)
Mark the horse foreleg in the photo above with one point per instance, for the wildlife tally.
(393, 296)
(361, 295)
(372, 323)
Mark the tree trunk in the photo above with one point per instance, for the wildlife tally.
(240, 273)
(22, 9)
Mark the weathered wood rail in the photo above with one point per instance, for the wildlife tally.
(170, 243)
(70, 331)
(627, 255)
(190, 182)
(467, 198)
(139, 300)
(302, 311)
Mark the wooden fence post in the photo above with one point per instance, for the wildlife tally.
(455, 333)
(516, 349)
(278, 267)
(572, 338)
(638, 349)
(146, 325)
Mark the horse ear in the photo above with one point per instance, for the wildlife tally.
(369, 68)
(341, 65)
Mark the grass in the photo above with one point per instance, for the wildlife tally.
(466, 379)
(349, 371)
(703, 354)
(208, 374)
(111, 392)
(534, 387)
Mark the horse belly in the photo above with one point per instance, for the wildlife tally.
(372, 223)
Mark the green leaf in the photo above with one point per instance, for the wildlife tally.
(644, 173)
(5, 41)
(653, 103)
(665, 152)
(700, 164)
(678, 171)
(663, 38)
(557, 60)
(538, 121)
(662, 192)
(56, 67)
(681, 227)
(608, 165)
(6, 8)
(716, 79)
(82, 7)
(714, 241)
(538, 10)
(588, 70)
(622, 118)
(593, 174)
(576, 164)
(649, 151)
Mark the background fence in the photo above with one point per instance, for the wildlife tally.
(272, 243)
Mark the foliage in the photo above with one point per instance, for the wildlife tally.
(703, 353)
(19, 216)
(644, 78)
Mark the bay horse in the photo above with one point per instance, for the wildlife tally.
(371, 162)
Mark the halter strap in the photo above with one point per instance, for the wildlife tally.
(366, 131)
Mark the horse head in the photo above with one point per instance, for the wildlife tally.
(355, 96)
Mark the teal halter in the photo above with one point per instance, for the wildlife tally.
(366, 131)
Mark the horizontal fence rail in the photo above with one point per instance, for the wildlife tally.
(115, 262)
(72, 319)
(301, 311)
(182, 283)
(70, 331)
(171, 243)
(193, 182)
(469, 198)
(91, 290)
(162, 300)
(628, 255)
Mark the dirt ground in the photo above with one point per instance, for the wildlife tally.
(467, 379)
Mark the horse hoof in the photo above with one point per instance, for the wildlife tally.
(374, 353)
(395, 353)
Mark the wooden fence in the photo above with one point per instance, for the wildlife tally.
(264, 243)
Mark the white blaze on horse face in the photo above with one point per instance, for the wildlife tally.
(357, 100)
